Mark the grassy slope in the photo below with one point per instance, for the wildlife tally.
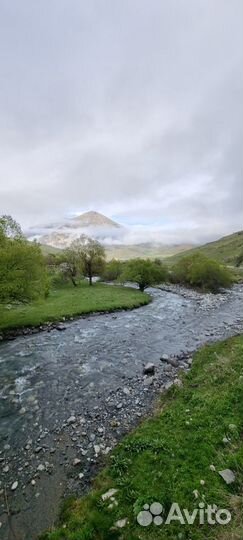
(46, 250)
(150, 251)
(166, 458)
(224, 250)
(125, 252)
(70, 302)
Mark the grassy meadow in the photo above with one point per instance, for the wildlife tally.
(70, 301)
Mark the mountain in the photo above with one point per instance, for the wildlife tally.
(94, 219)
(225, 250)
(93, 224)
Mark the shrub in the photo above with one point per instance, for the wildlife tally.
(112, 270)
(23, 275)
(199, 271)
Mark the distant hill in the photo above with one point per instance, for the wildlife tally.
(146, 250)
(46, 250)
(126, 252)
(225, 250)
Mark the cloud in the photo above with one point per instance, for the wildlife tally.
(133, 109)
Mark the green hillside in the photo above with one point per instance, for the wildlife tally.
(46, 250)
(126, 252)
(146, 250)
(225, 250)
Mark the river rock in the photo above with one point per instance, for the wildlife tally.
(71, 420)
(164, 358)
(121, 523)
(148, 381)
(109, 494)
(178, 383)
(76, 462)
(41, 468)
(227, 475)
(149, 369)
(14, 485)
(60, 327)
(172, 362)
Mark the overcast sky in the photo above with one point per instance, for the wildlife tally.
(132, 108)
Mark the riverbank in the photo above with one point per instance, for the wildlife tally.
(64, 304)
(178, 455)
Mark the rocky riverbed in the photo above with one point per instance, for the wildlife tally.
(66, 398)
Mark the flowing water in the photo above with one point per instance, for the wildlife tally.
(73, 394)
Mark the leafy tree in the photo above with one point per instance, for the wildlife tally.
(70, 264)
(92, 257)
(199, 271)
(9, 228)
(85, 257)
(145, 273)
(112, 270)
(23, 274)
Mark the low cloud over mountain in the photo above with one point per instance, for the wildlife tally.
(102, 228)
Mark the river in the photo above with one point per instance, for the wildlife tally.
(66, 398)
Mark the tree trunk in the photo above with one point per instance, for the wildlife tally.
(73, 281)
(90, 273)
(141, 287)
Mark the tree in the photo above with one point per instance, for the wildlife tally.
(92, 257)
(85, 257)
(70, 264)
(112, 270)
(145, 273)
(9, 228)
(23, 274)
(199, 271)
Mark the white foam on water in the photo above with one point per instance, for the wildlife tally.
(20, 384)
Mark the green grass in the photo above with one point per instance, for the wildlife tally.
(168, 456)
(71, 302)
(225, 250)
